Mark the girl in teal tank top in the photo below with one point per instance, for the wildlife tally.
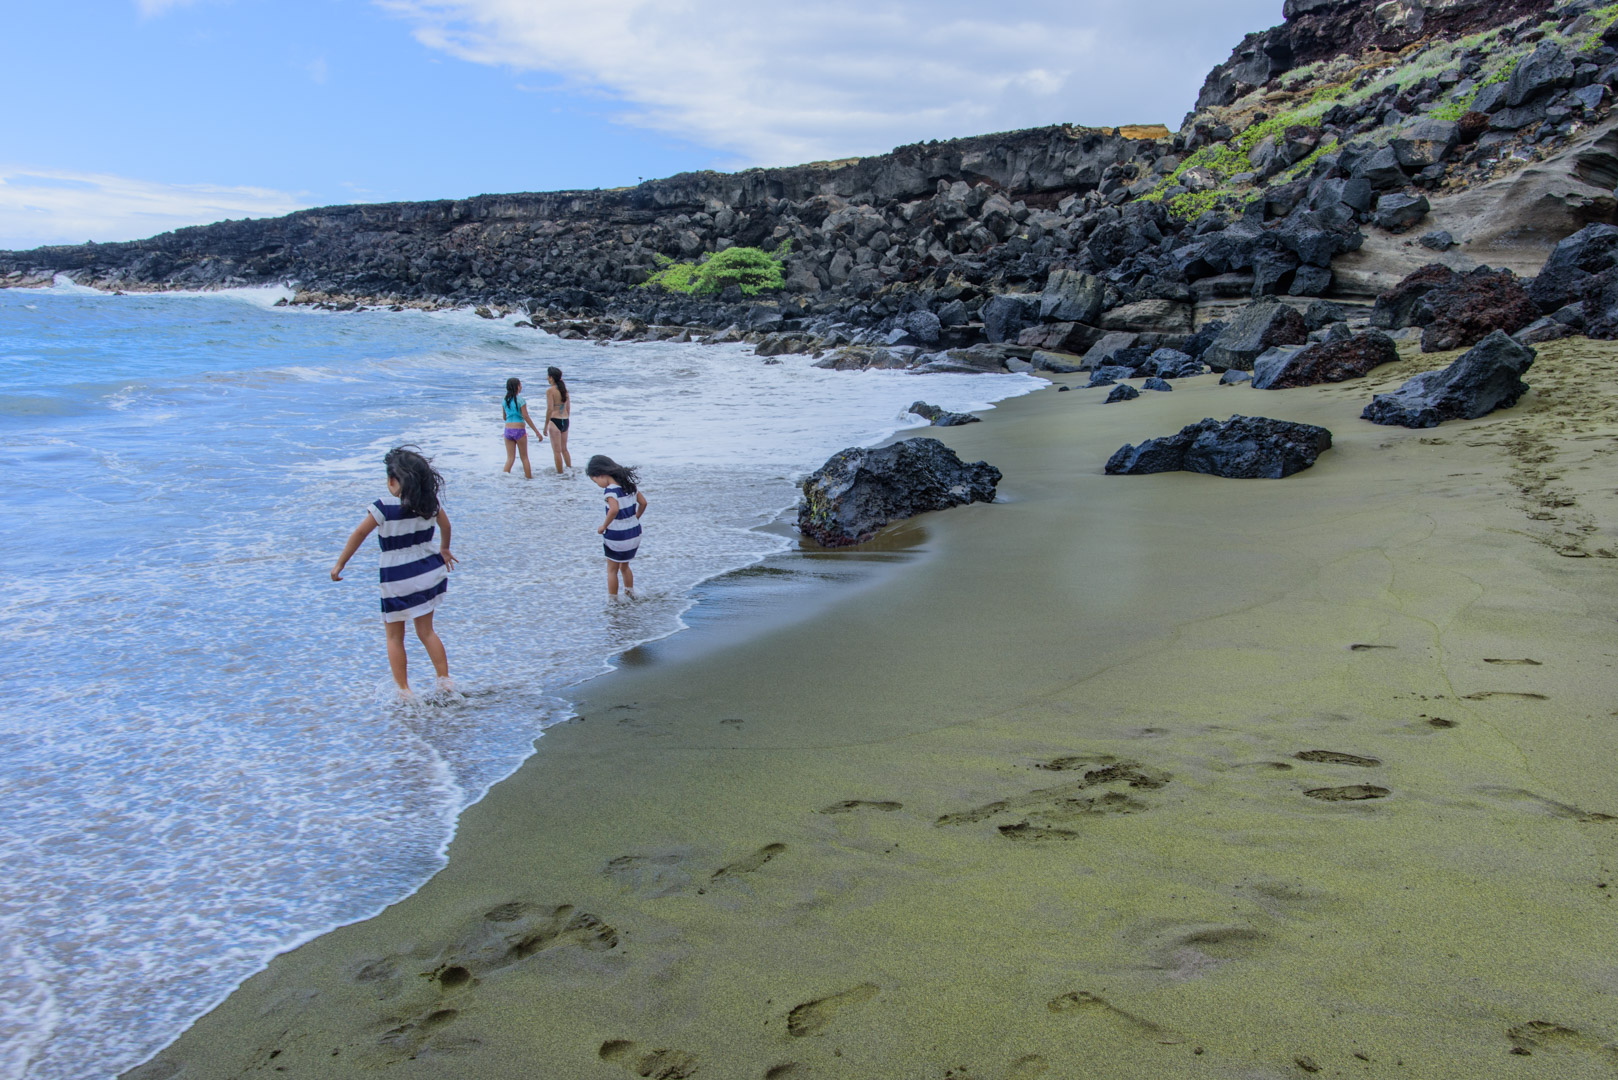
(517, 424)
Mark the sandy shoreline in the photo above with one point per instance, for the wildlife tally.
(1031, 805)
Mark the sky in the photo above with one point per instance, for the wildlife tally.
(127, 118)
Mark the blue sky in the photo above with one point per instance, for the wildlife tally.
(130, 117)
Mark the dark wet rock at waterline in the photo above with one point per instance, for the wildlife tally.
(1485, 378)
(1243, 447)
(861, 489)
(1121, 392)
(941, 417)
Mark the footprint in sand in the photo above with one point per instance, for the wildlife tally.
(511, 933)
(1028, 1067)
(1362, 647)
(1075, 761)
(849, 806)
(750, 863)
(1083, 1002)
(409, 1036)
(1538, 1037)
(1337, 757)
(650, 876)
(787, 1070)
(660, 1063)
(1348, 793)
(1525, 662)
(1484, 695)
(813, 1017)
(1049, 810)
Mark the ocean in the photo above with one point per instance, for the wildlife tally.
(205, 763)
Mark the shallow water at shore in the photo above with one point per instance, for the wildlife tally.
(206, 764)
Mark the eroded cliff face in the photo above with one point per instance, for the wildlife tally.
(1317, 30)
(887, 215)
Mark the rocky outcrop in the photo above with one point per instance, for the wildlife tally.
(1486, 378)
(1243, 447)
(1317, 30)
(1456, 310)
(1482, 302)
(1262, 325)
(1575, 261)
(860, 490)
(1332, 361)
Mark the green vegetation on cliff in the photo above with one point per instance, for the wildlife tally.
(750, 269)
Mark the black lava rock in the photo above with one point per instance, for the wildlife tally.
(1577, 259)
(940, 418)
(1122, 392)
(1485, 378)
(1243, 447)
(861, 489)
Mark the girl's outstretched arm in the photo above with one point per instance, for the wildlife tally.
(612, 512)
(443, 543)
(355, 539)
(640, 505)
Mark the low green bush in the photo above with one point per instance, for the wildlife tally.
(752, 270)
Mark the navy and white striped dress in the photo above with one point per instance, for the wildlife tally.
(622, 537)
(413, 574)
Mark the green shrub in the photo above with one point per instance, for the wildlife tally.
(750, 269)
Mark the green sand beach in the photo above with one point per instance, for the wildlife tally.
(1119, 777)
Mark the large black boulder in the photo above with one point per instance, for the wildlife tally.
(861, 489)
(1005, 316)
(1485, 378)
(1242, 448)
(1575, 261)
(1260, 326)
(1546, 68)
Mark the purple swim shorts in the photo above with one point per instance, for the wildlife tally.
(515, 434)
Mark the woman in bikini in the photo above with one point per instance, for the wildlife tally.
(517, 424)
(557, 409)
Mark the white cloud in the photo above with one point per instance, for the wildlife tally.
(780, 83)
(46, 206)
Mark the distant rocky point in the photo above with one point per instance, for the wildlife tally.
(1331, 158)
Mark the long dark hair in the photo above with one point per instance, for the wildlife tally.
(513, 384)
(555, 374)
(622, 475)
(419, 482)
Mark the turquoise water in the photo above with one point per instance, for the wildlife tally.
(205, 762)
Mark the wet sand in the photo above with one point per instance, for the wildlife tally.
(1145, 777)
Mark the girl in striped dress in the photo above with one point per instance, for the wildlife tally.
(414, 575)
(620, 533)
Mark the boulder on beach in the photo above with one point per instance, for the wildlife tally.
(1481, 303)
(1121, 392)
(1486, 378)
(940, 417)
(1261, 325)
(1455, 311)
(861, 489)
(1243, 448)
(1331, 361)
(1566, 275)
